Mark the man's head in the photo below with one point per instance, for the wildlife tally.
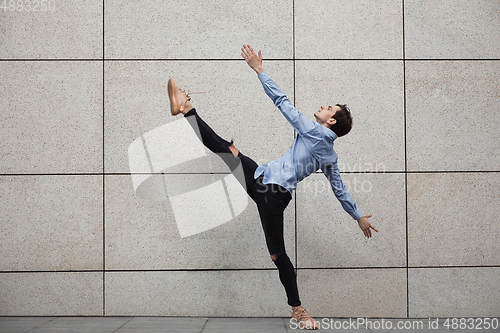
(337, 118)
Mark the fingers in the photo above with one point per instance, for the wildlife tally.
(247, 52)
(368, 232)
(244, 52)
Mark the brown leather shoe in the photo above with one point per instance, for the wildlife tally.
(178, 98)
(306, 322)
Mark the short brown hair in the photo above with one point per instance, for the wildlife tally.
(344, 121)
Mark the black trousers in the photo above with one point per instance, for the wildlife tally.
(271, 200)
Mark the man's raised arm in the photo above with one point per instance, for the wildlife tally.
(301, 123)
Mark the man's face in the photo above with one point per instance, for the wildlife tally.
(325, 113)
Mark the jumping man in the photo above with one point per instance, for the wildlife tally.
(271, 185)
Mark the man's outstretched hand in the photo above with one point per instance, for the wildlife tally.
(253, 60)
(365, 225)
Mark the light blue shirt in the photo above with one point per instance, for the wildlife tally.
(311, 150)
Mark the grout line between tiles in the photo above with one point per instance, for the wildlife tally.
(252, 269)
(270, 59)
(42, 324)
(406, 158)
(103, 169)
(226, 173)
(125, 323)
(294, 134)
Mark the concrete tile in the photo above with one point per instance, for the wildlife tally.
(453, 292)
(82, 325)
(51, 293)
(474, 330)
(414, 325)
(449, 219)
(246, 330)
(475, 324)
(57, 219)
(143, 234)
(149, 324)
(436, 324)
(245, 325)
(52, 117)
(373, 90)
(21, 324)
(452, 115)
(238, 293)
(342, 292)
(234, 105)
(158, 330)
(198, 30)
(332, 324)
(62, 30)
(329, 237)
(452, 29)
(342, 29)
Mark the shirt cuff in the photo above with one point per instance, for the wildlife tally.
(357, 215)
(263, 76)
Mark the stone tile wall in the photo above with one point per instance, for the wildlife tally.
(81, 80)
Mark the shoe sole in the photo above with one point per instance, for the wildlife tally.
(174, 102)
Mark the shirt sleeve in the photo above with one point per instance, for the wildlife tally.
(298, 121)
(331, 171)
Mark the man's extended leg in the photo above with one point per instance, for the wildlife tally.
(226, 150)
(180, 103)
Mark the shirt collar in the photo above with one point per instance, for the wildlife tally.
(329, 133)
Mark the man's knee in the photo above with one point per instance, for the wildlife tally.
(279, 259)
